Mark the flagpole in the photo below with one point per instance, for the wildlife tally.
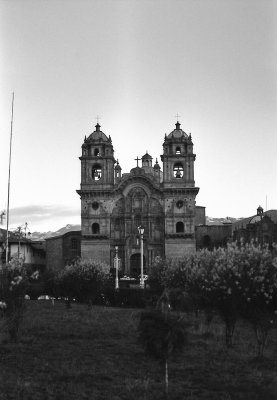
(9, 180)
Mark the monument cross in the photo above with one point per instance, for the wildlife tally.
(137, 160)
(97, 119)
(177, 116)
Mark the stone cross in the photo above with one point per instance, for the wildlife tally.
(137, 160)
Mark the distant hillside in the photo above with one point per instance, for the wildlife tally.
(69, 228)
(220, 221)
(45, 235)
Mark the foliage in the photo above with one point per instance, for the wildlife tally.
(156, 279)
(83, 280)
(14, 283)
(240, 280)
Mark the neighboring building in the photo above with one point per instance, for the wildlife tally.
(114, 205)
(32, 252)
(200, 215)
(62, 250)
(261, 228)
(213, 236)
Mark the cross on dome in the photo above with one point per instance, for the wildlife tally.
(137, 160)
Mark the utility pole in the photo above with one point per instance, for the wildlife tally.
(9, 180)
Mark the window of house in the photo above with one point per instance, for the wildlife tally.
(96, 152)
(96, 172)
(178, 150)
(74, 244)
(180, 227)
(95, 228)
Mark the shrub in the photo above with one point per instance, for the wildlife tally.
(14, 284)
(83, 280)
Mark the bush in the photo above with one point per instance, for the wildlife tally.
(14, 284)
(84, 280)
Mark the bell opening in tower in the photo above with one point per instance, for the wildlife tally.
(178, 170)
(96, 172)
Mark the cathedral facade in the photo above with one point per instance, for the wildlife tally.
(114, 205)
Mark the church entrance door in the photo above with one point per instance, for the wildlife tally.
(135, 265)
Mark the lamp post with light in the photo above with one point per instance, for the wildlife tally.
(116, 267)
(141, 232)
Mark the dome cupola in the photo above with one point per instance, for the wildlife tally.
(177, 133)
(146, 160)
(98, 135)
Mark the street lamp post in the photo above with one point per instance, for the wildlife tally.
(25, 235)
(19, 229)
(116, 267)
(141, 232)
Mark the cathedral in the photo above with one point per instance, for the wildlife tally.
(159, 198)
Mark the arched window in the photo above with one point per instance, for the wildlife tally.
(96, 152)
(96, 172)
(180, 227)
(95, 228)
(178, 170)
(178, 150)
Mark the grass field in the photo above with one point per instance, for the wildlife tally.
(83, 353)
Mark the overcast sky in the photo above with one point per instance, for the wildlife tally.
(136, 64)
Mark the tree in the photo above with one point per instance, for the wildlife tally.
(161, 335)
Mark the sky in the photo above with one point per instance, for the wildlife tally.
(137, 64)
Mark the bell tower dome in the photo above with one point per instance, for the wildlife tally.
(178, 159)
(97, 161)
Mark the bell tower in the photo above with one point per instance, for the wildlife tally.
(178, 159)
(97, 184)
(179, 192)
(97, 161)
